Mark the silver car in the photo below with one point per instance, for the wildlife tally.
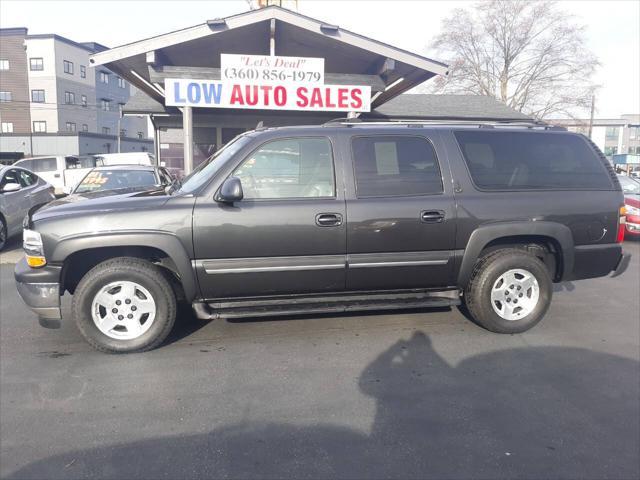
(20, 190)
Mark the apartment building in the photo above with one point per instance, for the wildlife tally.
(48, 90)
(614, 136)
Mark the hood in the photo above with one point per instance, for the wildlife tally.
(102, 202)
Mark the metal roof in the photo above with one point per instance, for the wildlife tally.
(200, 46)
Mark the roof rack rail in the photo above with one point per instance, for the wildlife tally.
(353, 122)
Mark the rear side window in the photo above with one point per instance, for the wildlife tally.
(395, 165)
(531, 161)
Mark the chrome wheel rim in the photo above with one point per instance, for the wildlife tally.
(515, 294)
(123, 310)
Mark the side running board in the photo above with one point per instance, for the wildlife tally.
(302, 305)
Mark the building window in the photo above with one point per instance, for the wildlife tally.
(37, 96)
(7, 127)
(123, 132)
(121, 82)
(68, 67)
(83, 100)
(83, 71)
(69, 98)
(634, 133)
(104, 77)
(140, 135)
(4, 64)
(611, 133)
(39, 126)
(5, 96)
(105, 104)
(106, 130)
(85, 127)
(36, 64)
(71, 127)
(608, 151)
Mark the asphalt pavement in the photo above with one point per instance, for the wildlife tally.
(414, 394)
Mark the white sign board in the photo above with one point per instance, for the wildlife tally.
(267, 96)
(265, 69)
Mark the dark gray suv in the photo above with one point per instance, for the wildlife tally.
(334, 218)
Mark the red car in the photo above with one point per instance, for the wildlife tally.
(631, 189)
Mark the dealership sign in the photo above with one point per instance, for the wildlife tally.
(268, 83)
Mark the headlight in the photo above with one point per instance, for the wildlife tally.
(33, 248)
(632, 210)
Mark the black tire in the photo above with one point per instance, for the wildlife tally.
(130, 269)
(3, 233)
(487, 271)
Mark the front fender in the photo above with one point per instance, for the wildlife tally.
(485, 234)
(166, 242)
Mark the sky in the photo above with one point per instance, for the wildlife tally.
(612, 28)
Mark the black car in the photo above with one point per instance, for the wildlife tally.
(334, 218)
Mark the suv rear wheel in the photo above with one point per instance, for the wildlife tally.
(124, 305)
(509, 292)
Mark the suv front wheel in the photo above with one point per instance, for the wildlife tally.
(124, 305)
(509, 292)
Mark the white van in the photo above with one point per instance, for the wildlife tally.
(129, 158)
(63, 172)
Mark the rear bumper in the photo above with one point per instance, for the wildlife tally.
(592, 261)
(39, 292)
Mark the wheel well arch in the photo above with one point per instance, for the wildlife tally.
(77, 264)
(550, 241)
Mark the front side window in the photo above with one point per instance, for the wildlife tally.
(395, 165)
(4, 64)
(26, 178)
(7, 127)
(69, 98)
(531, 161)
(49, 164)
(291, 168)
(37, 96)
(5, 96)
(68, 67)
(36, 64)
(83, 71)
(39, 126)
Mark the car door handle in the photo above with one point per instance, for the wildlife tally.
(328, 219)
(432, 216)
(57, 175)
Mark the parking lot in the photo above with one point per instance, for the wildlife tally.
(415, 394)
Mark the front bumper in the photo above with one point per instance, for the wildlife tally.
(40, 290)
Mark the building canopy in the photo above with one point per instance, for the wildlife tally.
(194, 52)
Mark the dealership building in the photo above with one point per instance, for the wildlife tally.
(274, 67)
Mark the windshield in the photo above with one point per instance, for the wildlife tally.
(203, 172)
(629, 185)
(99, 180)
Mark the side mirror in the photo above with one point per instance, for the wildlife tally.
(14, 187)
(230, 191)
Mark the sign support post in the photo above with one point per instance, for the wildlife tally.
(187, 131)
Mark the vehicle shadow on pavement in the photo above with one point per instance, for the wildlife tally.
(534, 412)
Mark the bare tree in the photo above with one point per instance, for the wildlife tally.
(528, 54)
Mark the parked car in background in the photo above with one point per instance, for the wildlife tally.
(20, 190)
(631, 189)
(123, 178)
(128, 158)
(63, 172)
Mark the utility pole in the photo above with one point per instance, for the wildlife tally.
(593, 104)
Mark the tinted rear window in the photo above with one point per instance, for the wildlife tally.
(536, 161)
